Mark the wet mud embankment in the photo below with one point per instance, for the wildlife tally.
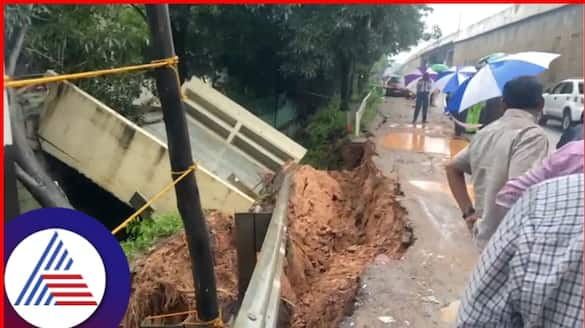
(339, 221)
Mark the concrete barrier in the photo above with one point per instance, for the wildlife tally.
(118, 155)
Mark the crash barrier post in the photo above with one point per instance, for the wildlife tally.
(360, 113)
(261, 302)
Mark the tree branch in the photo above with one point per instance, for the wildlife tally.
(41, 185)
(15, 53)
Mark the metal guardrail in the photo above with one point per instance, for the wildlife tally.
(359, 113)
(261, 302)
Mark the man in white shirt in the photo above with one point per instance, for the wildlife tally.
(505, 149)
(423, 89)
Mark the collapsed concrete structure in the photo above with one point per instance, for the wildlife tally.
(235, 150)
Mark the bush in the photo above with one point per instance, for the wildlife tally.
(144, 233)
(323, 131)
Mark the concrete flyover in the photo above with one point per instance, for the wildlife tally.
(235, 149)
(554, 28)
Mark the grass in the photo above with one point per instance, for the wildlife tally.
(326, 127)
(144, 233)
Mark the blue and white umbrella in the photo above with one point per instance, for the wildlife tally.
(489, 81)
(448, 81)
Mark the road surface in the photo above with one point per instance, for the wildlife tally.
(553, 131)
(422, 289)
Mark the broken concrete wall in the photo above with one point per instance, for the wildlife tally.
(118, 155)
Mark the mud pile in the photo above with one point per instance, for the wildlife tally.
(339, 221)
(162, 282)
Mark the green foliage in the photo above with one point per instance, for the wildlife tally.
(267, 49)
(77, 38)
(325, 128)
(143, 234)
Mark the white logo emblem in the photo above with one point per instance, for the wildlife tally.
(55, 279)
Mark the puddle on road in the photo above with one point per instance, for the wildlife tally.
(417, 141)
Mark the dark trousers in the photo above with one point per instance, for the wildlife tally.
(422, 101)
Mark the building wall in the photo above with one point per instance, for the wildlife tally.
(550, 28)
(559, 31)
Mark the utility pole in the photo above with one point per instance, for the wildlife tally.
(181, 159)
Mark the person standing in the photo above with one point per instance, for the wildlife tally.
(491, 111)
(505, 149)
(531, 272)
(423, 89)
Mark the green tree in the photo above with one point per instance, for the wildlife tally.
(346, 40)
(69, 39)
(267, 49)
(76, 38)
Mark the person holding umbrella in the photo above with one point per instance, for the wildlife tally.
(423, 89)
(507, 148)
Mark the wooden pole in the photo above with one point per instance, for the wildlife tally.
(181, 159)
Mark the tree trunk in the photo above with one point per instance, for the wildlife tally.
(31, 173)
(15, 54)
(347, 66)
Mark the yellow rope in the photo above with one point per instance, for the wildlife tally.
(135, 215)
(166, 62)
(215, 323)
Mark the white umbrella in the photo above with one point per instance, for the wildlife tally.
(489, 82)
(450, 80)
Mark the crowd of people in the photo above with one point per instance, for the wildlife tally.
(526, 217)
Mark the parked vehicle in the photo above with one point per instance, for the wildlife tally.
(564, 102)
(395, 88)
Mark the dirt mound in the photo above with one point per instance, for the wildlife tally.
(338, 222)
(162, 281)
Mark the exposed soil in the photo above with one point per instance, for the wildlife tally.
(162, 281)
(339, 221)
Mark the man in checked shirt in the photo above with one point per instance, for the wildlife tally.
(531, 272)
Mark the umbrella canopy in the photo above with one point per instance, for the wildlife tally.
(448, 81)
(489, 81)
(439, 67)
(412, 78)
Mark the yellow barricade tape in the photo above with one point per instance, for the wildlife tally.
(168, 187)
(166, 62)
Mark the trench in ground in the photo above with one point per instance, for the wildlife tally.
(339, 221)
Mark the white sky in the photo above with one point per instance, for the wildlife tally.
(447, 17)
